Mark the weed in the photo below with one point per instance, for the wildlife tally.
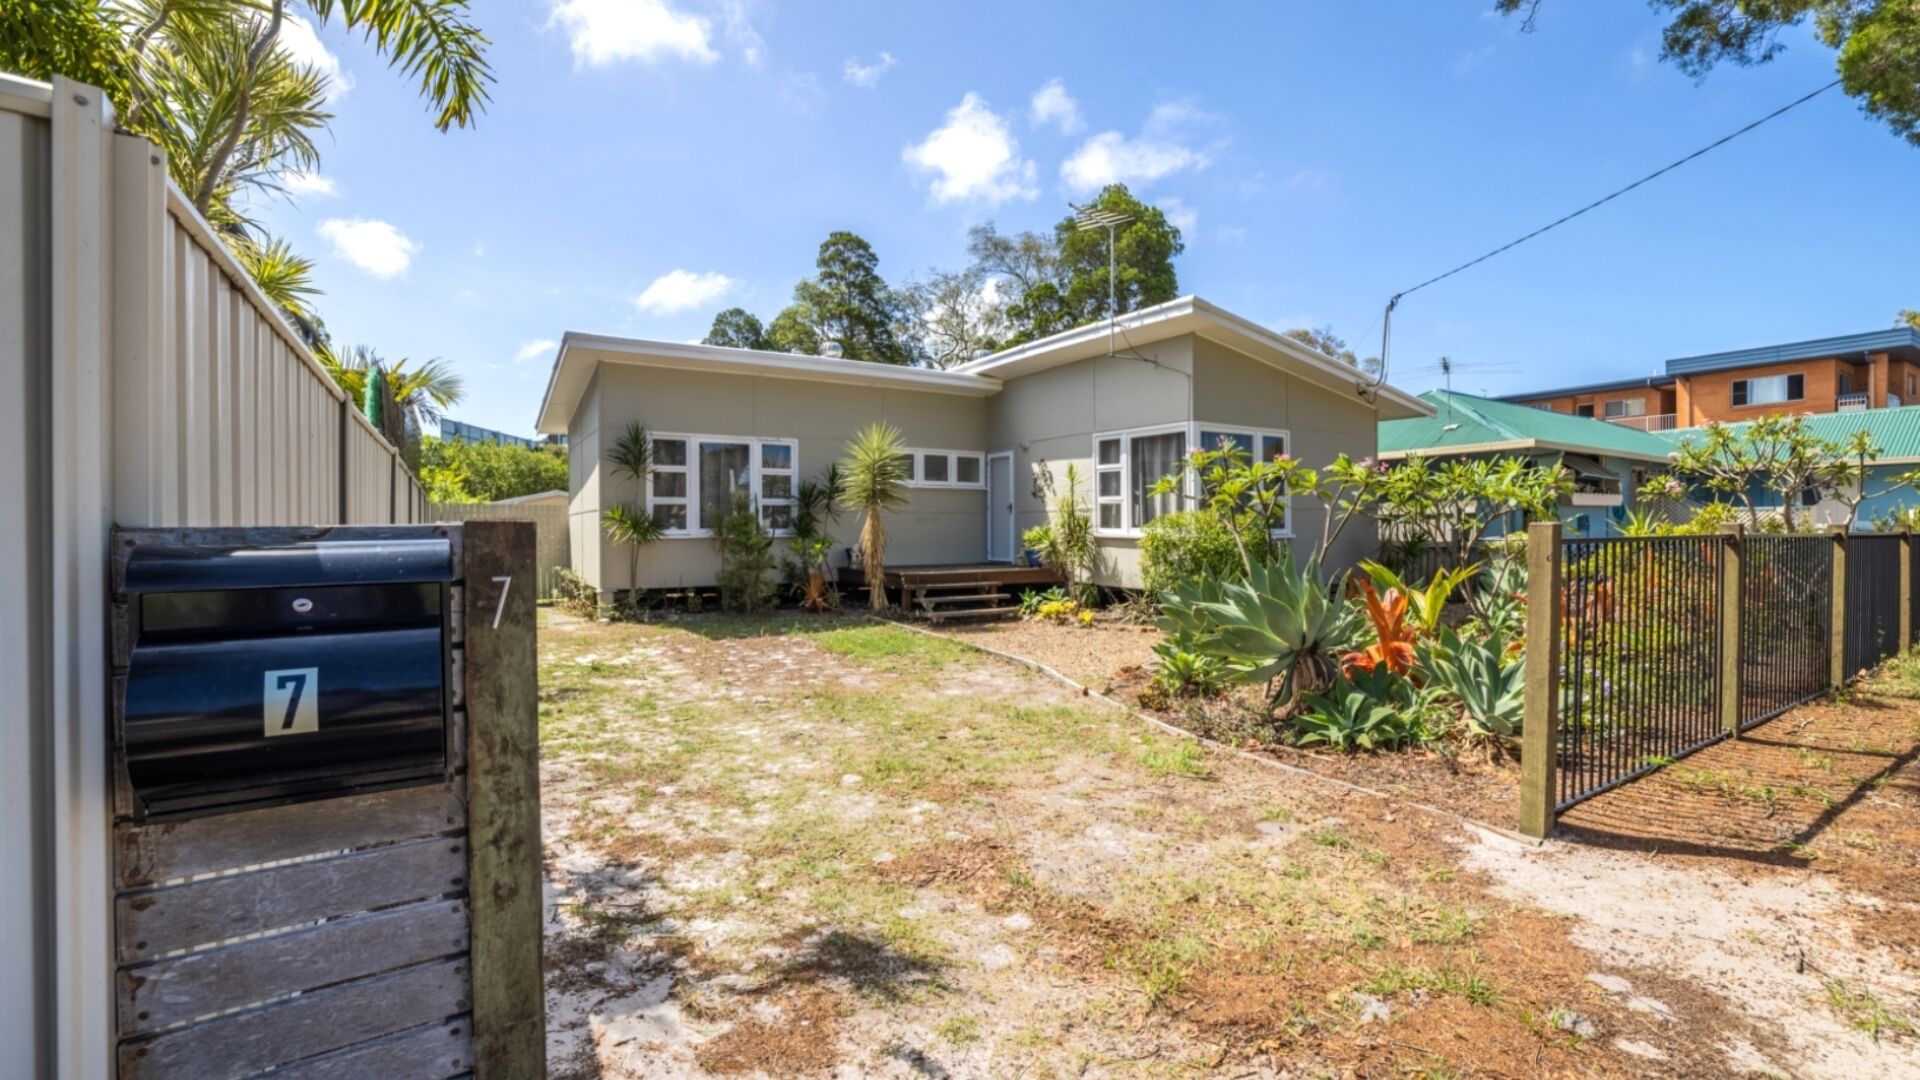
(1470, 985)
(959, 1030)
(1862, 1010)
(1164, 757)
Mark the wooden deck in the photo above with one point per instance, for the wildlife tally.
(952, 591)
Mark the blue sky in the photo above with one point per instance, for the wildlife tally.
(645, 163)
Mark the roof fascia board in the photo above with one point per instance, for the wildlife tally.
(1871, 341)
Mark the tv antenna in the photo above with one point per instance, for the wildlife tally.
(1091, 218)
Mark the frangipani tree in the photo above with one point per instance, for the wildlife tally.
(873, 478)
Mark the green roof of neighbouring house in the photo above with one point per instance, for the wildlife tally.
(1464, 424)
(1895, 431)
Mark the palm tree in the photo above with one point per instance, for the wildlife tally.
(873, 476)
(625, 524)
(419, 394)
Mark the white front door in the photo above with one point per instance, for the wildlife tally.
(1000, 507)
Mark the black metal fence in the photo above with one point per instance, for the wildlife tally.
(1638, 673)
(1786, 636)
(1640, 649)
(1873, 601)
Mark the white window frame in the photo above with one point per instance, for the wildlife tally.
(953, 457)
(1129, 529)
(755, 471)
(1629, 408)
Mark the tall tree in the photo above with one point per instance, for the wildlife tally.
(1908, 317)
(737, 328)
(1877, 44)
(849, 302)
(1323, 340)
(954, 315)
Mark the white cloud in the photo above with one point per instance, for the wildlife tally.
(1230, 234)
(374, 246)
(300, 182)
(609, 31)
(740, 32)
(1052, 104)
(1179, 214)
(866, 76)
(681, 290)
(1464, 63)
(1162, 148)
(538, 349)
(975, 156)
(298, 40)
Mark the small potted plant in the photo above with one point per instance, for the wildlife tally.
(1037, 540)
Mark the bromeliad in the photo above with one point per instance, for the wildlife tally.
(1392, 646)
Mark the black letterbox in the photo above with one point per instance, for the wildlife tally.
(276, 674)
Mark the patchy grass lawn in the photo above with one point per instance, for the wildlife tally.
(800, 846)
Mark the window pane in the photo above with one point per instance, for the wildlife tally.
(1110, 515)
(1796, 387)
(1109, 451)
(1155, 456)
(1740, 391)
(669, 485)
(670, 452)
(776, 456)
(935, 467)
(672, 517)
(1272, 446)
(776, 486)
(906, 467)
(1110, 484)
(1212, 440)
(723, 471)
(777, 518)
(966, 469)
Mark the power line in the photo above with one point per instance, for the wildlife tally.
(1394, 300)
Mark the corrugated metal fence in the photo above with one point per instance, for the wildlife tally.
(144, 381)
(551, 550)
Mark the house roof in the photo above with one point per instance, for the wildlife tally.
(1895, 431)
(1903, 340)
(1193, 315)
(574, 363)
(1465, 424)
(1649, 382)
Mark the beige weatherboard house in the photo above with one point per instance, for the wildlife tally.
(1124, 405)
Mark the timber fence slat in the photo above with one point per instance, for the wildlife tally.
(433, 1052)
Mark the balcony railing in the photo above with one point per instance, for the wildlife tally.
(1852, 402)
(1656, 422)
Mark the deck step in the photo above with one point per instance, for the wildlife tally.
(923, 584)
(972, 613)
(929, 602)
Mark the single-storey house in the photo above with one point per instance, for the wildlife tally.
(990, 439)
(1895, 431)
(1609, 462)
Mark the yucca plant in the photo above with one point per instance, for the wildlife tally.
(1280, 626)
(627, 525)
(873, 478)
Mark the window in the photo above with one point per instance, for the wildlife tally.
(696, 478)
(667, 488)
(1127, 465)
(1583, 410)
(946, 468)
(1626, 407)
(1771, 390)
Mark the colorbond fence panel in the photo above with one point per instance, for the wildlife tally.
(1640, 644)
(552, 550)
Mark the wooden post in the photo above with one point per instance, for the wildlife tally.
(1732, 602)
(503, 791)
(1837, 633)
(1906, 591)
(1539, 733)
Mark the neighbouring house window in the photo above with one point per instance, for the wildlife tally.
(1771, 390)
(1583, 410)
(695, 479)
(947, 468)
(1626, 407)
(1127, 465)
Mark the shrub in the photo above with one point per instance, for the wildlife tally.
(1489, 686)
(574, 594)
(746, 557)
(1280, 626)
(1372, 710)
(1188, 546)
(465, 472)
(1180, 669)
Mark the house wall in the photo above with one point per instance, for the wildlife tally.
(935, 526)
(1707, 397)
(1656, 400)
(1048, 419)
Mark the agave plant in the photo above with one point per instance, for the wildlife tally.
(1490, 687)
(1180, 667)
(1358, 715)
(1280, 626)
